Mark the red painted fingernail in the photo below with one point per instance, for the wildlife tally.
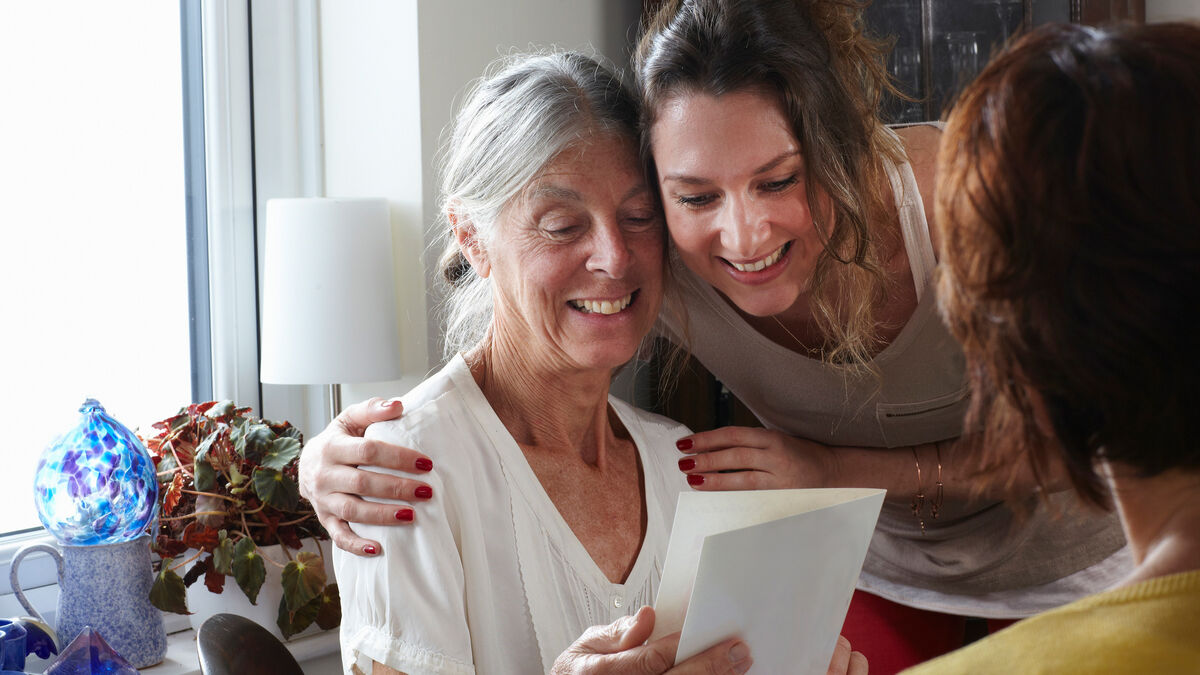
(369, 550)
(695, 479)
(423, 464)
(405, 515)
(389, 403)
(684, 444)
(423, 492)
(687, 464)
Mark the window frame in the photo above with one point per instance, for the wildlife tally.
(222, 277)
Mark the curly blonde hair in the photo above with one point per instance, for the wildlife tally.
(829, 76)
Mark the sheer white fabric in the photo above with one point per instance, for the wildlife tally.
(491, 579)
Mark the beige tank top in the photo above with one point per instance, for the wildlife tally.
(976, 553)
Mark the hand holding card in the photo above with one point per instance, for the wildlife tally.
(774, 567)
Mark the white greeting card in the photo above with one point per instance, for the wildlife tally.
(774, 567)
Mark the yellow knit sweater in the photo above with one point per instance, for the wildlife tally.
(1149, 627)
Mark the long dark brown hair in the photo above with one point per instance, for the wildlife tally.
(829, 76)
(1069, 210)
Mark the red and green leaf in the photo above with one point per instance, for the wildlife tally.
(249, 468)
(302, 578)
(201, 537)
(173, 493)
(214, 579)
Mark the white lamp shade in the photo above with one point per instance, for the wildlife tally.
(329, 296)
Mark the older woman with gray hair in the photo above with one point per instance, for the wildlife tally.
(556, 500)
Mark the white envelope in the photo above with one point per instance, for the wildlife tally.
(774, 567)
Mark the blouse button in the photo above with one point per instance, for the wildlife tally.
(617, 601)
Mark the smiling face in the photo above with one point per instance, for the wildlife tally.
(577, 261)
(733, 186)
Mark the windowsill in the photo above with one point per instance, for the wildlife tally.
(311, 651)
(318, 654)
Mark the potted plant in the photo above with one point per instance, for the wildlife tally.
(227, 495)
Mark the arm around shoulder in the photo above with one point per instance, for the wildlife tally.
(405, 608)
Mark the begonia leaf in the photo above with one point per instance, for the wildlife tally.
(168, 592)
(200, 567)
(237, 437)
(167, 547)
(223, 555)
(248, 568)
(206, 445)
(289, 537)
(172, 495)
(214, 579)
(281, 453)
(329, 616)
(216, 409)
(302, 578)
(291, 623)
(200, 537)
(276, 489)
(205, 477)
(258, 442)
(236, 477)
(166, 468)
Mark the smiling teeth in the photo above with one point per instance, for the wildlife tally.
(761, 264)
(602, 306)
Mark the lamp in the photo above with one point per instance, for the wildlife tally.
(329, 298)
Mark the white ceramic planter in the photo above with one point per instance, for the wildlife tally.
(203, 603)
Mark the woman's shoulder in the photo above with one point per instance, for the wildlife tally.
(1148, 627)
(427, 405)
(649, 420)
(921, 143)
(652, 427)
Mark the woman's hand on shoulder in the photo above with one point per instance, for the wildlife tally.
(331, 480)
(621, 647)
(748, 458)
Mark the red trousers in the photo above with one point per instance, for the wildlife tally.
(893, 636)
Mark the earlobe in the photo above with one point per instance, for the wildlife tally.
(468, 243)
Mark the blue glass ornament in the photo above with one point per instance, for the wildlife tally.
(96, 483)
(89, 654)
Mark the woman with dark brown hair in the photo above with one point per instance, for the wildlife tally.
(1069, 211)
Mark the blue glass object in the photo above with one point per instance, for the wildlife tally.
(89, 654)
(40, 638)
(13, 639)
(96, 484)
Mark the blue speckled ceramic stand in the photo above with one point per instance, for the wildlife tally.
(106, 587)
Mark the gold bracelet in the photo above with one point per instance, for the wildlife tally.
(936, 505)
(918, 502)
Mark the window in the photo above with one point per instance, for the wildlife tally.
(94, 250)
(126, 229)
